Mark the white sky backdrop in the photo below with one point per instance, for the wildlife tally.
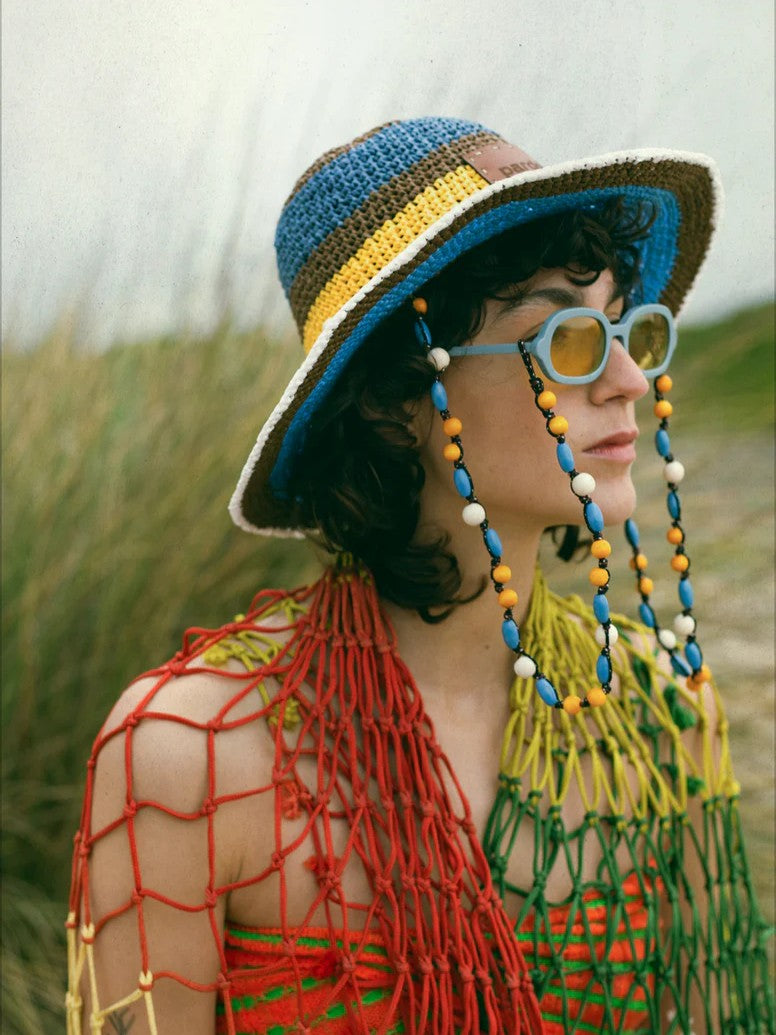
(148, 145)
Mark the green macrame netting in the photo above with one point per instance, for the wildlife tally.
(677, 936)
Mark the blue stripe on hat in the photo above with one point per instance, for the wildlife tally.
(345, 183)
(658, 255)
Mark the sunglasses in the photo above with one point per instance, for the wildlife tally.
(572, 346)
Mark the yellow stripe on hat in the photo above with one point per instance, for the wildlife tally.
(389, 241)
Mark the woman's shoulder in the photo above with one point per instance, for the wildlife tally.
(181, 786)
(215, 701)
(204, 673)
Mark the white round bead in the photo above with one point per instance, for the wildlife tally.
(473, 514)
(524, 667)
(667, 639)
(439, 359)
(684, 625)
(600, 635)
(673, 472)
(583, 484)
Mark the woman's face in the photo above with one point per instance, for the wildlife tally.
(508, 451)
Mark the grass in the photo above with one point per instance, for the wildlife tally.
(729, 365)
(118, 467)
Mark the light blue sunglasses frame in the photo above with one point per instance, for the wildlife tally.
(541, 344)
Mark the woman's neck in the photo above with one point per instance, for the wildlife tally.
(465, 650)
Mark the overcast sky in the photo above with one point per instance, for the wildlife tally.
(148, 146)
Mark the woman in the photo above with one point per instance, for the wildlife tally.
(426, 794)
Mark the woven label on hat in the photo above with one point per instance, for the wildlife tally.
(498, 161)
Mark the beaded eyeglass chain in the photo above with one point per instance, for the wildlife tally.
(691, 665)
(582, 485)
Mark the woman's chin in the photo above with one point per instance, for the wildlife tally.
(617, 506)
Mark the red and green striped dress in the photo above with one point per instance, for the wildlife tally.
(270, 992)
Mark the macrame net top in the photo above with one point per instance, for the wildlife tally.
(390, 913)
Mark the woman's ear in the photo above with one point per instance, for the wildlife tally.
(420, 422)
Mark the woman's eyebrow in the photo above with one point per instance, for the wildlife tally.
(561, 296)
(565, 297)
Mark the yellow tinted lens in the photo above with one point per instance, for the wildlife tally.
(577, 346)
(648, 341)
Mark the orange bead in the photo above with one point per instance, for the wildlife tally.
(675, 536)
(572, 704)
(451, 451)
(639, 562)
(601, 548)
(420, 305)
(502, 573)
(546, 399)
(596, 697)
(452, 427)
(646, 586)
(599, 576)
(558, 425)
(664, 383)
(663, 408)
(697, 682)
(680, 562)
(507, 598)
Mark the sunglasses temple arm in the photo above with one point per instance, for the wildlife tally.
(485, 350)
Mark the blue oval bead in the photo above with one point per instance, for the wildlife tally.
(680, 666)
(603, 669)
(493, 543)
(565, 457)
(547, 691)
(632, 532)
(674, 506)
(601, 608)
(662, 442)
(594, 519)
(510, 633)
(686, 594)
(463, 482)
(422, 333)
(647, 615)
(439, 395)
(693, 654)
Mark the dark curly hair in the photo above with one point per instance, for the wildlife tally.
(360, 477)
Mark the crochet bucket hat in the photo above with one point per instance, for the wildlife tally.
(372, 221)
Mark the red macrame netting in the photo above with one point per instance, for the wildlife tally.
(353, 751)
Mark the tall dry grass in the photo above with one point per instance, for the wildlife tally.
(118, 467)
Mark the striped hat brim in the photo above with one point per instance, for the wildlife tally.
(683, 187)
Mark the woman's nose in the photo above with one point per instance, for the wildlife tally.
(621, 377)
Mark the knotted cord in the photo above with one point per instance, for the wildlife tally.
(640, 945)
(348, 714)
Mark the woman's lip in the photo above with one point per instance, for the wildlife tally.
(620, 447)
(623, 453)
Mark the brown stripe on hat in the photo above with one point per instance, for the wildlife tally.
(688, 182)
(382, 204)
(330, 155)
